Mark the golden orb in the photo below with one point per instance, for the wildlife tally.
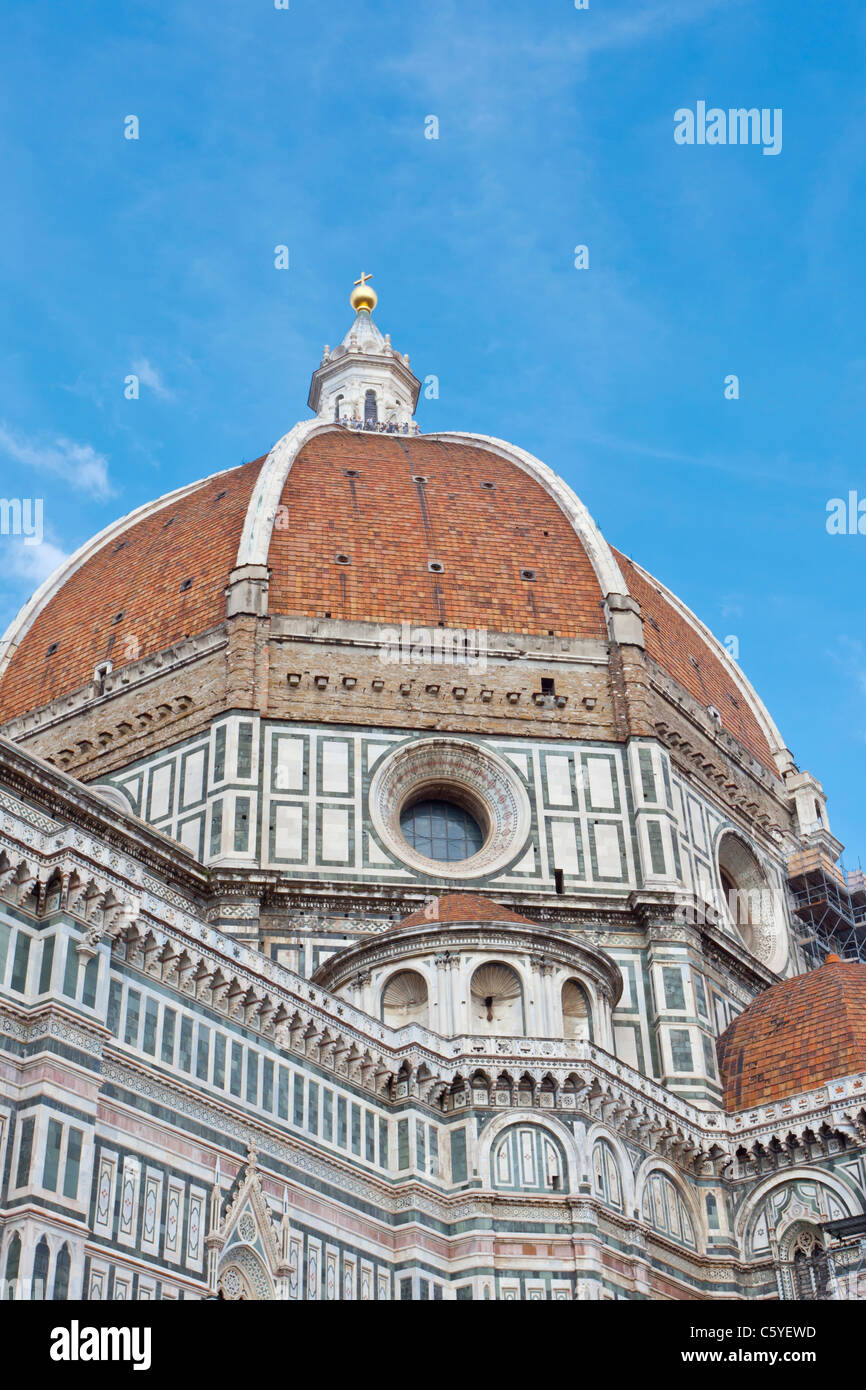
(363, 296)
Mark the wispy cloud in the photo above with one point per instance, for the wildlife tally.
(779, 468)
(731, 606)
(79, 464)
(150, 377)
(477, 52)
(31, 563)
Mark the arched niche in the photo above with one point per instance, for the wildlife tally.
(62, 1272)
(404, 999)
(41, 1267)
(606, 1175)
(527, 1158)
(576, 1011)
(496, 1001)
(665, 1207)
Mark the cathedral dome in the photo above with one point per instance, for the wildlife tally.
(355, 518)
(441, 530)
(796, 1035)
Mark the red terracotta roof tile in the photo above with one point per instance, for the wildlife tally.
(126, 601)
(796, 1035)
(391, 527)
(681, 651)
(452, 908)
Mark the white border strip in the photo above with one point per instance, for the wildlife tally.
(255, 539)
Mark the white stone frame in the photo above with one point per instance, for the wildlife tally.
(776, 958)
(654, 1164)
(599, 553)
(743, 1218)
(255, 541)
(513, 1118)
(485, 780)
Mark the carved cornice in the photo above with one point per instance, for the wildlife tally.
(132, 677)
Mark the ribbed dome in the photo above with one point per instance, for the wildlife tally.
(796, 1035)
(448, 531)
(412, 502)
(142, 586)
(347, 494)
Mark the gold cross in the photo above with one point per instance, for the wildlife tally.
(364, 278)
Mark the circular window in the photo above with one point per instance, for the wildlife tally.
(442, 830)
(449, 808)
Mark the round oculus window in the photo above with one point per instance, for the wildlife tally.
(449, 807)
(441, 830)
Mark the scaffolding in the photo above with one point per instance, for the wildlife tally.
(829, 1276)
(830, 1272)
(829, 905)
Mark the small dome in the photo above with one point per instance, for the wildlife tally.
(796, 1035)
(452, 909)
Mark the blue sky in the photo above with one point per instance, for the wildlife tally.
(305, 127)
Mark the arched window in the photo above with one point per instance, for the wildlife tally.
(41, 1261)
(665, 1209)
(497, 1001)
(404, 999)
(712, 1212)
(525, 1158)
(61, 1274)
(338, 405)
(575, 1011)
(371, 409)
(606, 1180)
(810, 1267)
(13, 1264)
